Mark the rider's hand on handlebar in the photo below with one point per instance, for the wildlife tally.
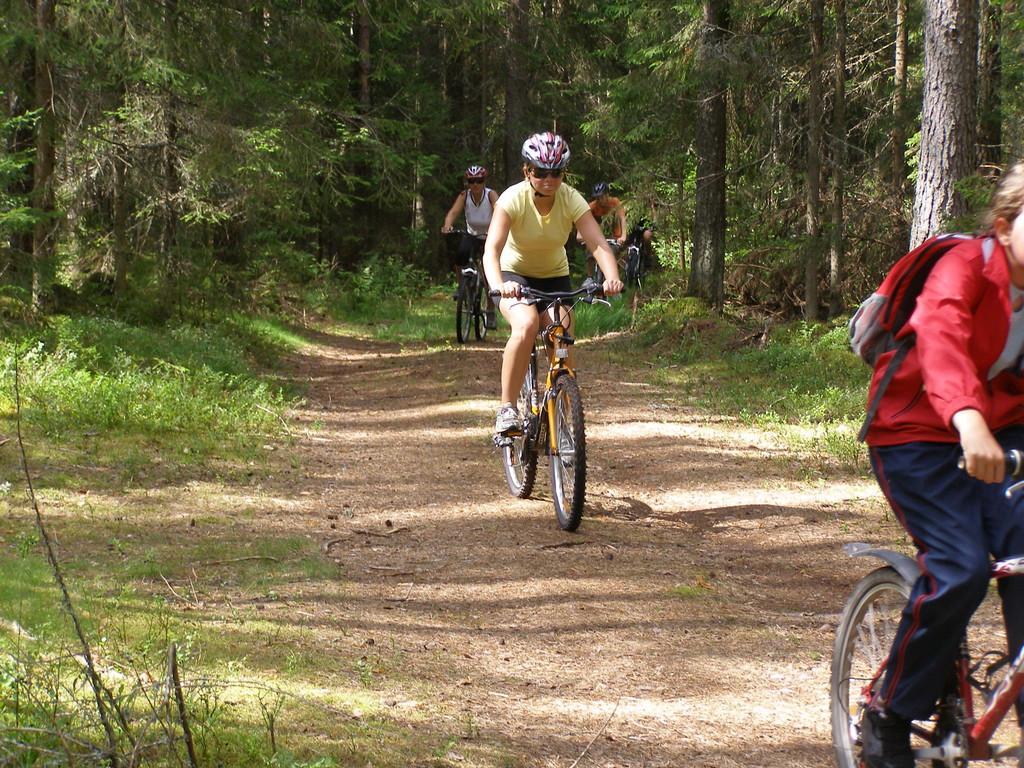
(510, 289)
(446, 229)
(612, 287)
(983, 456)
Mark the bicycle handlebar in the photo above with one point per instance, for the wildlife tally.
(1014, 463)
(588, 292)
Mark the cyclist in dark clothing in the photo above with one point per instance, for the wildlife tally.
(959, 392)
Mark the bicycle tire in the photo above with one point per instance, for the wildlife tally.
(520, 455)
(635, 266)
(631, 274)
(569, 464)
(463, 312)
(479, 302)
(863, 639)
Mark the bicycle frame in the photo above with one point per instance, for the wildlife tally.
(978, 746)
(557, 340)
(979, 730)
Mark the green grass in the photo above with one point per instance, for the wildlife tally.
(105, 394)
(260, 690)
(798, 379)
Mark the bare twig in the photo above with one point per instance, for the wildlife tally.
(238, 560)
(390, 571)
(99, 690)
(401, 570)
(408, 594)
(172, 664)
(392, 532)
(325, 547)
(587, 748)
(279, 418)
(175, 593)
(561, 544)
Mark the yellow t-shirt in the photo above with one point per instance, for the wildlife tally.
(536, 244)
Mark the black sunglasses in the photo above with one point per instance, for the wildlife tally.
(539, 173)
(476, 180)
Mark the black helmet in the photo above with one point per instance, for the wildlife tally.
(601, 188)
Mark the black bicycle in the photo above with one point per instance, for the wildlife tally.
(613, 244)
(470, 298)
(552, 416)
(636, 256)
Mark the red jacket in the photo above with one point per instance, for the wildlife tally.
(961, 319)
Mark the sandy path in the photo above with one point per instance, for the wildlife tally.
(687, 623)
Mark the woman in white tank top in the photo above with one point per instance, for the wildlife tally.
(476, 202)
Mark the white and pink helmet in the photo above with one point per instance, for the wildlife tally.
(546, 150)
(476, 171)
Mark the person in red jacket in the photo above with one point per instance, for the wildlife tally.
(959, 392)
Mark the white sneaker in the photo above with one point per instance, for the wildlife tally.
(507, 420)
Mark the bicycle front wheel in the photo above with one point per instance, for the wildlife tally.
(567, 449)
(479, 302)
(464, 312)
(519, 455)
(865, 634)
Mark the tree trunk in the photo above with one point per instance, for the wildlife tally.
(835, 261)
(43, 180)
(172, 181)
(515, 87)
(120, 192)
(990, 75)
(948, 151)
(707, 261)
(19, 91)
(812, 255)
(120, 224)
(364, 55)
(683, 233)
(898, 172)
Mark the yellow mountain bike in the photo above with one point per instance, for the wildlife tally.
(552, 416)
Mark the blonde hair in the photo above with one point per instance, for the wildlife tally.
(1008, 198)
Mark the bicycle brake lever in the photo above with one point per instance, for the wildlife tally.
(1013, 489)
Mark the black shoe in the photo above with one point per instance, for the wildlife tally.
(885, 739)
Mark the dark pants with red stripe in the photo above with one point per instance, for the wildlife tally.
(956, 522)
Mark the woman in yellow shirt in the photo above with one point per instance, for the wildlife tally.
(526, 247)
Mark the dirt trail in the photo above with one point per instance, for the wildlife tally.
(687, 623)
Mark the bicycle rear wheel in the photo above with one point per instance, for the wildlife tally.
(519, 456)
(865, 634)
(567, 453)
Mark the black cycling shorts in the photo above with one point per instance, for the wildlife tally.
(548, 284)
(470, 246)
